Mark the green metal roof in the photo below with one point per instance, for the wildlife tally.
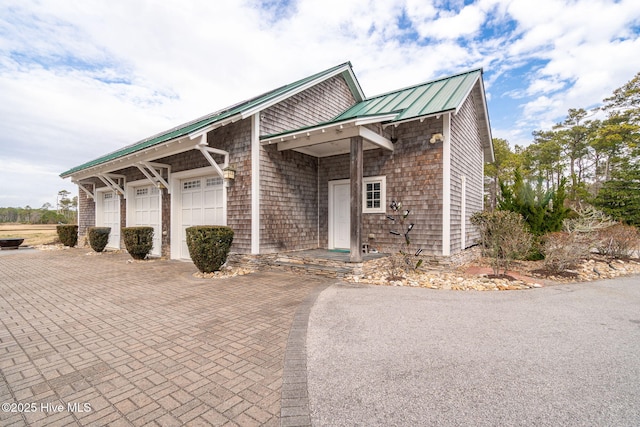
(425, 99)
(202, 122)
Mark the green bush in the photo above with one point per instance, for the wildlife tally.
(68, 234)
(99, 237)
(209, 246)
(138, 241)
(542, 210)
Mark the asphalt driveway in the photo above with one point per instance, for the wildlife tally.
(100, 340)
(557, 356)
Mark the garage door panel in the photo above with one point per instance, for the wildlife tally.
(109, 216)
(148, 214)
(202, 204)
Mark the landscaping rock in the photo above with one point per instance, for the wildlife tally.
(530, 275)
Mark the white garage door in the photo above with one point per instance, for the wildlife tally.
(202, 204)
(108, 215)
(147, 213)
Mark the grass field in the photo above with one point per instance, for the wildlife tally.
(34, 234)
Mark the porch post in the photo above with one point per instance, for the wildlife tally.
(356, 199)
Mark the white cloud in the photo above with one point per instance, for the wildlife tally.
(82, 79)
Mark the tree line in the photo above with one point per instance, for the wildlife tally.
(591, 162)
(65, 212)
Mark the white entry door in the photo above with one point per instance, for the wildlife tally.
(147, 213)
(339, 215)
(108, 215)
(201, 204)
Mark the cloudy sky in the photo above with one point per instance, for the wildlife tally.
(82, 78)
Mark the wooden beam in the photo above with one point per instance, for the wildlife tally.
(355, 254)
(376, 139)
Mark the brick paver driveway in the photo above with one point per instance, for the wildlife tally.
(100, 340)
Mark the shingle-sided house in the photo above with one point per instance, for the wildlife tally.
(316, 166)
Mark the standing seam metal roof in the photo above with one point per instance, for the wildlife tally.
(202, 122)
(429, 98)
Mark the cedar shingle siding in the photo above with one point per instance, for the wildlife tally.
(466, 160)
(294, 187)
(414, 177)
(288, 179)
(319, 103)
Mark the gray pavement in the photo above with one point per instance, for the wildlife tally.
(559, 356)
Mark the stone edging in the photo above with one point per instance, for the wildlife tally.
(294, 402)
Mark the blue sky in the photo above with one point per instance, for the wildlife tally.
(80, 79)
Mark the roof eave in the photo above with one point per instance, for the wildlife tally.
(355, 121)
(421, 118)
(213, 122)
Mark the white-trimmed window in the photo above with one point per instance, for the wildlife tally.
(374, 194)
(212, 182)
(188, 185)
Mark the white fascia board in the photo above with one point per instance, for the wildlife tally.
(360, 121)
(354, 85)
(329, 134)
(491, 156)
(421, 118)
(466, 95)
(309, 132)
(251, 111)
(326, 128)
(149, 154)
(309, 139)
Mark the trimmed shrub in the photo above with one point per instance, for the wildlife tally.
(68, 234)
(564, 250)
(99, 237)
(619, 241)
(138, 241)
(209, 246)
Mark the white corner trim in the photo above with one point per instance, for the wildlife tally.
(463, 213)
(255, 184)
(446, 185)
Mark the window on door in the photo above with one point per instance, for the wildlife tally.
(374, 194)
